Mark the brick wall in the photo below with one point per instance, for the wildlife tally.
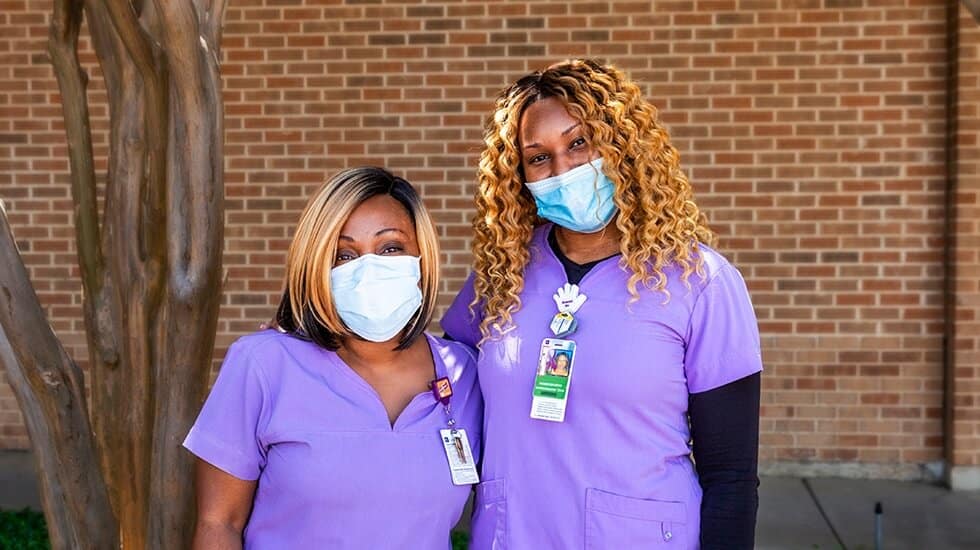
(966, 400)
(813, 132)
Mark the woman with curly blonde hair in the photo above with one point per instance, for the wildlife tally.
(588, 243)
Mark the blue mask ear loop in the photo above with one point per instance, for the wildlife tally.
(595, 190)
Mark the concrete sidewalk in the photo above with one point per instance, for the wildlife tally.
(794, 513)
(18, 483)
(821, 513)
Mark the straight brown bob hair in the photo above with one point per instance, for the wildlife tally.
(307, 308)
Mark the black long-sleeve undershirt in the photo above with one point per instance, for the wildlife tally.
(725, 430)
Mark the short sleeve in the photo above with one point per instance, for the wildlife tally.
(458, 322)
(722, 340)
(227, 432)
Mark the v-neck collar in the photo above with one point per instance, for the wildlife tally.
(541, 239)
(425, 398)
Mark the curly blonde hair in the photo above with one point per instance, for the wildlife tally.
(659, 221)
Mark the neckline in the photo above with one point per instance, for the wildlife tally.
(552, 240)
(542, 241)
(439, 371)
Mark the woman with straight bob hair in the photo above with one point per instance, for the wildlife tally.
(345, 425)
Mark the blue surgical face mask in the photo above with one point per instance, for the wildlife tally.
(376, 296)
(580, 199)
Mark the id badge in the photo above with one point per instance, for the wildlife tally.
(460, 455)
(553, 379)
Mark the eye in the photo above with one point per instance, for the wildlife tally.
(392, 248)
(537, 158)
(344, 256)
(579, 142)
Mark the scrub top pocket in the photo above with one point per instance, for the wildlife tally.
(614, 522)
(489, 531)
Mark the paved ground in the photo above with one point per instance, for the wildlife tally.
(839, 513)
(794, 513)
(18, 484)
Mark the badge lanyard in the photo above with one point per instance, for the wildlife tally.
(462, 467)
(553, 378)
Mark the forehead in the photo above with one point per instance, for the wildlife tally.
(375, 213)
(544, 118)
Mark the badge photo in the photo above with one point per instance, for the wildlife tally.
(553, 379)
(462, 467)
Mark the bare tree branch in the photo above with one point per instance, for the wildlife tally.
(150, 22)
(111, 56)
(63, 48)
(123, 451)
(150, 217)
(61, 529)
(211, 13)
(196, 195)
(194, 260)
(133, 290)
(108, 49)
(216, 18)
(50, 391)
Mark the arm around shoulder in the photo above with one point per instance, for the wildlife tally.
(459, 323)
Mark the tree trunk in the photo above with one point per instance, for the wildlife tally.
(150, 277)
(51, 395)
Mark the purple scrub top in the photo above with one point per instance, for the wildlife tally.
(617, 472)
(332, 471)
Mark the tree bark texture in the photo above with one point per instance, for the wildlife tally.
(150, 272)
(974, 7)
(50, 391)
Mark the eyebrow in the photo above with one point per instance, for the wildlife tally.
(378, 234)
(565, 133)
